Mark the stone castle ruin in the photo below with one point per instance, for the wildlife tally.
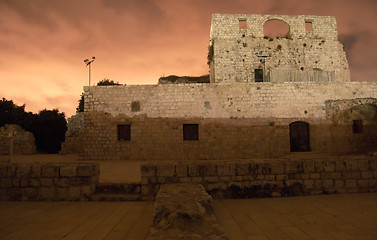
(267, 97)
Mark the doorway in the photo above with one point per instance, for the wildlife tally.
(299, 136)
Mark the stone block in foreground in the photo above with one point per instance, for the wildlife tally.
(184, 211)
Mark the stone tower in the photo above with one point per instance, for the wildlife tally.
(310, 51)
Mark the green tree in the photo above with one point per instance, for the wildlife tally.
(107, 82)
(48, 127)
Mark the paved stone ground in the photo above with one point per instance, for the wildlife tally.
(339, 216)
(347, 216)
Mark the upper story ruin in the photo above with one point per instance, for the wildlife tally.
(241, 50)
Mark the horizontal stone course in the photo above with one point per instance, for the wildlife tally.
(47, 181)
(248, 178)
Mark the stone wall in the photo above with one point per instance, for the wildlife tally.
(238, 52)
(47, 181)
(23, 141)
(235, 121)
(73, 136)
(266, 178)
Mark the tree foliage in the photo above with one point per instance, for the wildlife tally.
(48, 127)
(107, 82)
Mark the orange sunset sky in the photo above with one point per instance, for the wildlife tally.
(43, 42)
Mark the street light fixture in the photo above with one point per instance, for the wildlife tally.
(88, 63)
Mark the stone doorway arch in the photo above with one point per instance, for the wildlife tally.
(299, 136)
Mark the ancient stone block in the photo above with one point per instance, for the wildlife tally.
(5, 182)
(315, 175)
(47, 182)
(23, 171)
(351, 175)
(34, 182)
(329, 166)
(364, 165)
(35, 171)
(50, 171)
(242, 169)
(165, 170)
(366, 174)
(47, 193)
(180, 170)
(336, 175)
(29, 194)
(211, 179)
(74, 193)
(86, 170)
(62, 193)
(276, 168)
(68, 171)
(148, 170)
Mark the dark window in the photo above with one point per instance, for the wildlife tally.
(275, 28)
(308, 26)
(258, 75)
(190, 132)
(242, 24)
(124, 132)
(357, 126)
(299, 137)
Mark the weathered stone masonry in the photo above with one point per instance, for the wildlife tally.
(48, 181)
(267, 178)
(302, 55)
(235, 120)
(306, 101)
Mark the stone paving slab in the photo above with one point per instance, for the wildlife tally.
(338, 216)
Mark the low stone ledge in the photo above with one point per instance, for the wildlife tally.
(48, 181)
(184, 211)
(267, 178)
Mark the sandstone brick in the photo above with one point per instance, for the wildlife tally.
(50, 171)
(211, 179)
(339, 184)
(328, 183)
(87, 191)
(35, 171)
(325, 175)
(277, 168)
(86, 170)
(47, 193)
(34, 182)
(181, 170)
(29, 193)
(329, 166)
(242, 169)
(364, 165)
(148, 170)
(281, 177)
(294, 167)
(74, 193)
(3, 170)
(62, 193)
(165, 170)
(5, 182)
(351, 184)
(351, 175)
(185, 179)
(23, 171)
(24, 182)
(197, 179)
(363, 183)
(336, 175)
(373, 164)
(68, 171)
(366, 174)
(47, 182)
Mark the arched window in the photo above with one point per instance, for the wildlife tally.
(275, 28)
(299, 136)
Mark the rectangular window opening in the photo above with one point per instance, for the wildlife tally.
(357, 126)
(190, 132)
(124, 132)
(258, 75)
(242, 24)
(308, 26)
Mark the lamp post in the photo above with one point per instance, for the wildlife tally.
(88, 63)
